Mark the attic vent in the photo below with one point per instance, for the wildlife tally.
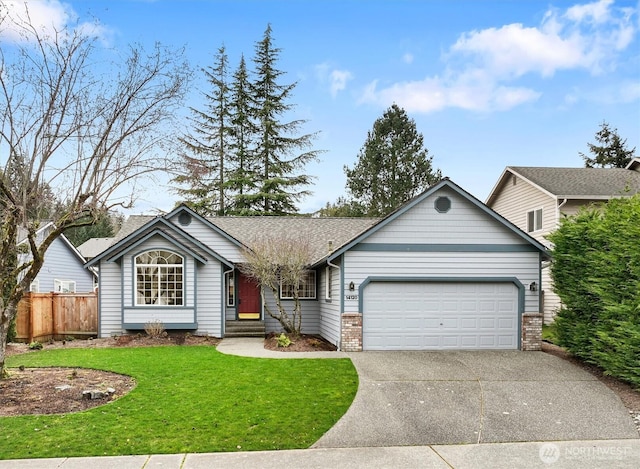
(184, 219)
(514, 180)
(443, 204)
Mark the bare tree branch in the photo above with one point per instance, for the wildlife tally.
(78, 126)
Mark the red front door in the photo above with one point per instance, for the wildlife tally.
(248, 298)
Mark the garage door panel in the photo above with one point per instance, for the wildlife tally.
(438, 316)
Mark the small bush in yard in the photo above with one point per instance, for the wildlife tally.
(155, 329)
(35, 345)
(283, 340)
(596, 273)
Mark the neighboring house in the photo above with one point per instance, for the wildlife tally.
(535, 199)
(63, 268)
(441, 272)
(94, 246)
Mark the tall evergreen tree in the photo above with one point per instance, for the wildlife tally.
(282, 155)
(393, 165)
(203, 167)
(242, 179)
(611, 150)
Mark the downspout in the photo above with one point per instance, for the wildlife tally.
(224, 297)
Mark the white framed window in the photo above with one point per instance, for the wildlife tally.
(327, 283)
(306, 288)
(64, 286)
(35, 286)
(230, 282)
(534, 220)
(159, 278)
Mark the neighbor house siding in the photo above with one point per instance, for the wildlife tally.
(514, 202)
(61, 263)
(110, 299)
(207, 236)
(330, 309)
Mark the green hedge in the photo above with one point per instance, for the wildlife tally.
(596, 273)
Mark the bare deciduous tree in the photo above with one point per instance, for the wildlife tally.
(273, 260)
(78, 125)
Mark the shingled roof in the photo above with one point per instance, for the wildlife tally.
(582, 183)
(318, 231)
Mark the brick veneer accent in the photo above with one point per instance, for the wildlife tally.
(351, 340)
(532, 331)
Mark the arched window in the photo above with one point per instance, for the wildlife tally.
(159, 278)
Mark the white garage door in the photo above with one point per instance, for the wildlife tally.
(440, 316)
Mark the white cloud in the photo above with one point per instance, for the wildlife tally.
(408, 58)
(47, 17)
(483, 67)
(336, 79)
(339, 79)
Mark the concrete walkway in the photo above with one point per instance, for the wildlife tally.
(622, 453)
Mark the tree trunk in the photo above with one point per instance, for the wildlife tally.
(6, 316)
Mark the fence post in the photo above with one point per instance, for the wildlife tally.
(54, 309)
(30, 316)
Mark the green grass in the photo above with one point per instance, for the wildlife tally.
(187, 399)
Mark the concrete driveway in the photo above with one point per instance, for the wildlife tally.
(427, 398)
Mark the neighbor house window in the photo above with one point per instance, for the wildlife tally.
(159, 278)
(64, 286)
(306, 288)
(534, 220)
(327, 283)
(231, 289)
(35, 286)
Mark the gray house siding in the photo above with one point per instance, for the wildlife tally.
(330, 309)
(463, 242)
(310, 315)
(60, 263)
(360, 265)
(204, 309)
(110, 299)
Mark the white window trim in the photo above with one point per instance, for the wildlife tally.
(536, 219)
(135, 280)
(229, 282)
(64, 286)
(35, 286)
(311, 273)
(327, 283)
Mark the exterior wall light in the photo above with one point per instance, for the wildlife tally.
(352, 286)
(533, 286)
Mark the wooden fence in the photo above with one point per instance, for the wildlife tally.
(46, 316)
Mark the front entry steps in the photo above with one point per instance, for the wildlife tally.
(248, 328)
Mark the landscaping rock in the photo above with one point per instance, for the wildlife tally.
(97, 394)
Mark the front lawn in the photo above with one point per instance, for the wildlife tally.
(188, 400)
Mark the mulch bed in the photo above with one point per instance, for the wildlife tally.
(303, 343)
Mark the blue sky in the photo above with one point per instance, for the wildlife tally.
(488, 83)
